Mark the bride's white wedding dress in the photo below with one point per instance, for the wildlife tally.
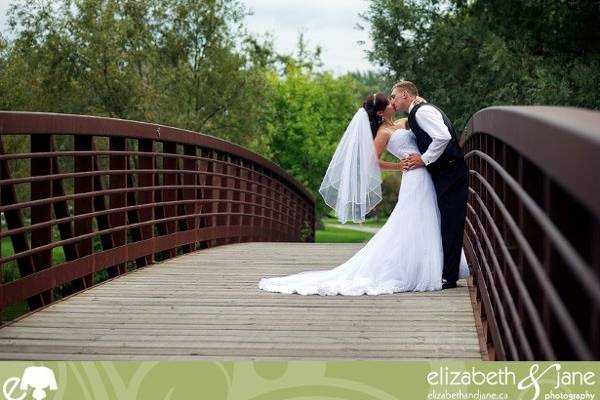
(404, 255)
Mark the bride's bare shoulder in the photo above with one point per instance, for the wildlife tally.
(384, 132)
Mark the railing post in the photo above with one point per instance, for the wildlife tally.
(169, 192)
(43, 212)
(190, 177)
(213, 181)
(261, 203)
(83, 205)
(270, 204)
(221, 194)
(237, 198)
(244, 220)
(118, 200)
(145, 179)
(203, 194)
(254, 220)
(106, 240)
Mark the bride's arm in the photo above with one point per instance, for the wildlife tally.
(381, 141)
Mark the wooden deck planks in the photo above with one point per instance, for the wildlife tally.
(206, 305)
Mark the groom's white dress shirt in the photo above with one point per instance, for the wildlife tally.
(431, 121)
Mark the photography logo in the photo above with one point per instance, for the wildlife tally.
(550, 383)
(39, 379)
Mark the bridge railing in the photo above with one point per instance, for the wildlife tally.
(83, 199)
(532, 233)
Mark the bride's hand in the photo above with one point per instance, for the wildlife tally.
(420, 100)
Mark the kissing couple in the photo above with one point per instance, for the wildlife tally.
(420, 246)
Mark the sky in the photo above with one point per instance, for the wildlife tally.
(330, 24)
(3, 20)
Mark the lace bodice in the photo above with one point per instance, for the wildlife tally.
(402, 143)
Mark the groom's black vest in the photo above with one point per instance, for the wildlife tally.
(451, 155)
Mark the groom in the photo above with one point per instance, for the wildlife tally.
(442, 156)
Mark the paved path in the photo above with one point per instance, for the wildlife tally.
(206, 305)
(354, 227)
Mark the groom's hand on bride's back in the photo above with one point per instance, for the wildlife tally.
(412, 161)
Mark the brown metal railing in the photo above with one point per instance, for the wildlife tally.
(151, 193)
(532, 233)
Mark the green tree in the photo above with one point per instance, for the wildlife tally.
(214, 84)
(176, 62)
(467, 55)
(372, 82)
(306, 116)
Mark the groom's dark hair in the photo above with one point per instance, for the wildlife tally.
(408, 86)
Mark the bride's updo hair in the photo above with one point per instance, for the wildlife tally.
(375, 102)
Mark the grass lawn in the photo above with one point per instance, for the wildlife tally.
(371, 223)
(335, 235)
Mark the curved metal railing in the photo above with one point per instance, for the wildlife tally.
(532, 234)
(97, 197)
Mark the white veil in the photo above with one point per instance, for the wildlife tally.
(352, 183)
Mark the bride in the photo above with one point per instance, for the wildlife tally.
(393, 260)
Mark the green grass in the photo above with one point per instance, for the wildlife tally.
(370, 222)
(10, 271)
(6, 246)
(335, 235)
(14, 310)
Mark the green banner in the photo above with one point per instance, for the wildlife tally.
(270, 380)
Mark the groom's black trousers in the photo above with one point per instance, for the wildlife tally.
(452, 189)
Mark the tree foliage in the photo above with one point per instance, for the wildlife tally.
(467, 55)
(184, 63)
(175, 62)
(306, 116)
(191, 64)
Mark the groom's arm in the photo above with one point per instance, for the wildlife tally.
(431, 121)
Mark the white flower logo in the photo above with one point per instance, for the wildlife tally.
(38, 378)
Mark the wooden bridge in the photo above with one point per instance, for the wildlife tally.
(128, 240)
(207, 305)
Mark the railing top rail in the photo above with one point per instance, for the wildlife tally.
(19, 122)
(563, 142)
